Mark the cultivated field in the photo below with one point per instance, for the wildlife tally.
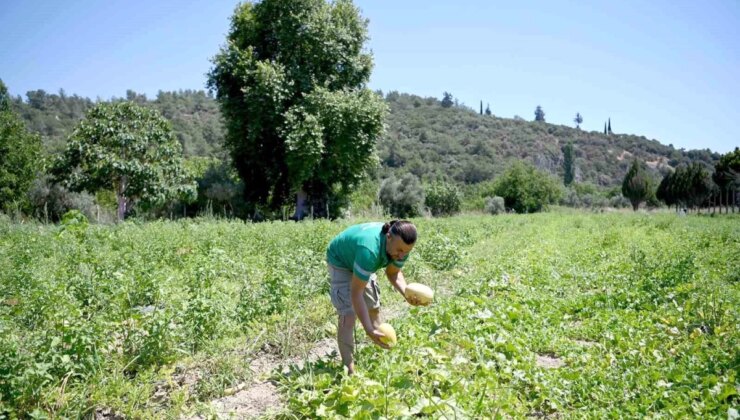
(561, 315)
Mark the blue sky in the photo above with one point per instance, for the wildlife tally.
(667, 70)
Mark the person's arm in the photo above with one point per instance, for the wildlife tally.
(357, 291)
(395, 276)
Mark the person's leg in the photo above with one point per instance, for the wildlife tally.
(346, 340)
(340, 298)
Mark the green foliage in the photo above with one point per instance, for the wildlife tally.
(539, 114)
(119, 315)
(447, 100)
(578, 120)
(526, 189)
(402, 197)
(588, 195)
(52, 116)
(50, 201)
(460, 145)
(127, 148)
(688, 186)
(220, 191)
(727, 175)
(495, 205)
(698, 183)
(442, 199)
(637, 185)
(75, 220)
(475, 196)
(456, 143)
(291, 86)
(342, 124)
(365, 196)
(618, 302)
(195, 118)
(569, 169)
(19, 156)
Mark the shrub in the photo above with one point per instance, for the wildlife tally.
(443, 199)
(495, 205)
(526, 189)
(51, 201)
(402, 197)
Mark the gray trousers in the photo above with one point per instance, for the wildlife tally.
(341, 280)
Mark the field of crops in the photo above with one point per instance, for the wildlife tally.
(561, 315)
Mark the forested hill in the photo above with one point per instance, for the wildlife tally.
(423, 137)
(194, 115)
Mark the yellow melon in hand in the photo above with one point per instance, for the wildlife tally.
(423, 293)
(390, 334)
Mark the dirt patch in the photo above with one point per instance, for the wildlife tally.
(585, 343)
(256, 400)
(549, 361)
(323, 349)
(624, 155)
(263, 364)
(261, 396)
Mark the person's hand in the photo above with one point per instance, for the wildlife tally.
(414, 301)
(375, 335)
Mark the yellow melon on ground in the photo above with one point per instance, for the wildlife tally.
(423, 293)
(390, 334)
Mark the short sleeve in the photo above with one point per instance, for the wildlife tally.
(364, 265)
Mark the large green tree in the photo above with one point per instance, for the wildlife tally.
(637, 184)
(128, 149)
(727, 177)
(668, 190)
(689, 185)
(569, 167)
(291, 84)
(526, 189)
(19, 153)
(699, 184)
(447, 100)
(539, 114)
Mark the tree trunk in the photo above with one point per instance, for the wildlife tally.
(300, 206)
(121, 197)
(121, 207)
(720, 201)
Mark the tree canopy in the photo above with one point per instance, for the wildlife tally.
(19, 153)
(291, 85)
(637, 184)
(128, 149)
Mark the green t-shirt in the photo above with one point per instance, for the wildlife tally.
(361, 249)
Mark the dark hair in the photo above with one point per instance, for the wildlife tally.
(403, 228)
